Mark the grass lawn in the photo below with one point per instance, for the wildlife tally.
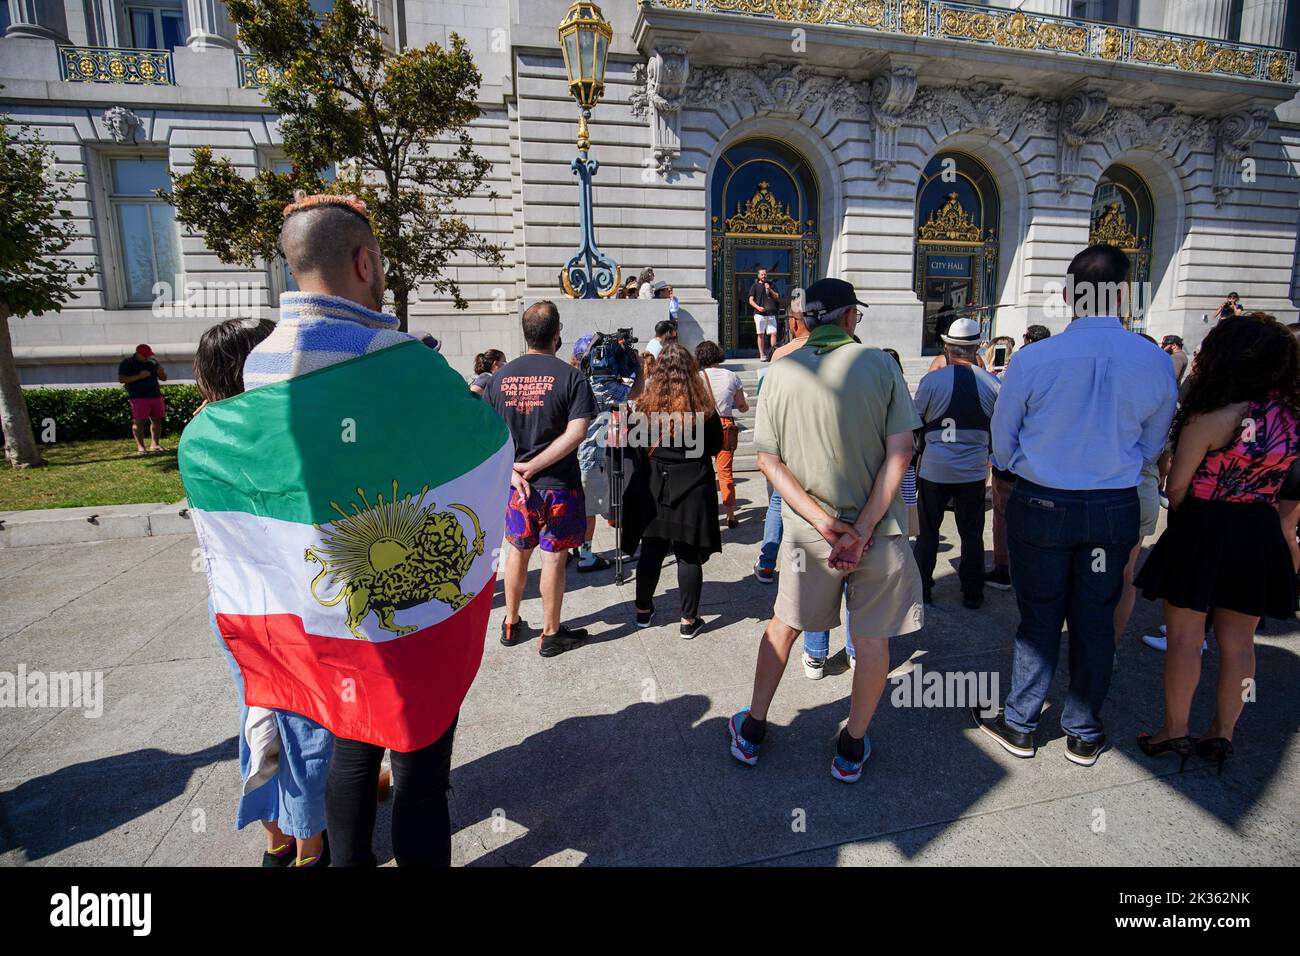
(83, 473)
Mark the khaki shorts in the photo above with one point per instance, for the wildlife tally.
(882, 594)
(1148, 505)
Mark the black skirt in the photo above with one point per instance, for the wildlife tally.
(1224, 554)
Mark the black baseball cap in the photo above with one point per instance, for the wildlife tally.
(829, 295)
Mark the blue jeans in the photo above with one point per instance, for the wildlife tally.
(771, 530)
(1068, 550)
(815, 643)
(818, 643)
(295, 799)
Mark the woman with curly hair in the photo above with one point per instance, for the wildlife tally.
(1234, 438)
(671, 503)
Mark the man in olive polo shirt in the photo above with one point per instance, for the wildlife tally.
(834, 437)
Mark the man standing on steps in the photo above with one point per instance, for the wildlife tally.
(547, 405)
(763, 299)
(956, 403)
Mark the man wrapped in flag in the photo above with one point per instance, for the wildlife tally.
(348, 506)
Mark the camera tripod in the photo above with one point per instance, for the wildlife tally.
(615, 449)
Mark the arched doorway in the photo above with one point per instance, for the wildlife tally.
(1123, 215)
(764, 216)
(956, 265)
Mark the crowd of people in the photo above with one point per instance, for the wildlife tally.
(1078, 437)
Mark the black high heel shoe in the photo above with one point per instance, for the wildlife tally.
(1217, 749)
(1183, 746)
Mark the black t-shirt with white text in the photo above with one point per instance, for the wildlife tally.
(145, 387)
(538, 395)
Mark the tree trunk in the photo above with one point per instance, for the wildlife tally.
(20, 444)
(401, 301)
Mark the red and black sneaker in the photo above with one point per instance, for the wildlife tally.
(516, 633)
(565, 639)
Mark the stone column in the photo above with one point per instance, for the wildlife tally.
(1055, 8)
(1199, 18)
(39, 19)
(1262, 22)
(210, 26)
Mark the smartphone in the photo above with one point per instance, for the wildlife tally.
(1000, 356)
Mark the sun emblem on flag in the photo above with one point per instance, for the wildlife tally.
(392, 555)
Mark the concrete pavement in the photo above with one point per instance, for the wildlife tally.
(616, 753)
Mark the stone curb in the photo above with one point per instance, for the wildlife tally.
(103, 523)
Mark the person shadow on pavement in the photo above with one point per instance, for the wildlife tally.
(84, 801)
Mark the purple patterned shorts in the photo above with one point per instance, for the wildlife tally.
(556, 517)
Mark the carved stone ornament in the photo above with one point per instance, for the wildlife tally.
(1155, 126)
(1236, 134)
(122, 124)
(891, 96)
(983, 106)
(1081, 112)
(657, 99)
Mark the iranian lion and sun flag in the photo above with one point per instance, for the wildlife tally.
(349, 519)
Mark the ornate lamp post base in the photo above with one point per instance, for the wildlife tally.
(589, 273)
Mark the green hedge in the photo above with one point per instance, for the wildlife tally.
(83, 413)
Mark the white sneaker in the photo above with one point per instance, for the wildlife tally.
(814, 668)
(1161, 643)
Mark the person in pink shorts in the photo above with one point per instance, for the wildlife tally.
(142, 375)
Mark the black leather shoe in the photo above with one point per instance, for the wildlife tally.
(973, 600)
(516, 633)
(1080, 751)
(1012, 740)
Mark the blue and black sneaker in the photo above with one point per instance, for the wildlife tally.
(850, 771)
(743, 750)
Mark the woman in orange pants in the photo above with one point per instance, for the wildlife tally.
(729, 396)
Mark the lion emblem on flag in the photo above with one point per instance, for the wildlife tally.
(392, 555)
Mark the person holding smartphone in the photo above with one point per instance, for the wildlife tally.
(141, 374)
(765, 301)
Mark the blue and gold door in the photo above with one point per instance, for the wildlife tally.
(763, 217)
(956, 246)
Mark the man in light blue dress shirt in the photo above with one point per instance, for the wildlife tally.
(1078, 416)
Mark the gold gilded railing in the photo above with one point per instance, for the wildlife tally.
(252, 74)
(94, 64)
(1017, 30)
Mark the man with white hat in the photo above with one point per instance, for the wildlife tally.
(956, 404)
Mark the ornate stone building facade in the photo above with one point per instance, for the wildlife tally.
(947, 157)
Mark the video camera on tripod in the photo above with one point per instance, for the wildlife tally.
(612, 356)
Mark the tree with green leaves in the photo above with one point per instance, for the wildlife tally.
(395, 125)
(35, 231)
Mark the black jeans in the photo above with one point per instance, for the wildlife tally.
(968, 504)
(421, 820)
(690, 573)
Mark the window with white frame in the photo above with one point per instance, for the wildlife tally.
(155, 24)
(145, 228)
